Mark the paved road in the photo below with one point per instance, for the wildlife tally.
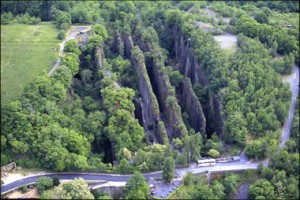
(123, 178)
(294, 83)
(68, 176)
(219, 167)
(72, 35)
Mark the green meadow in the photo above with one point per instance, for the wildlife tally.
(283, 19)
(27, 51)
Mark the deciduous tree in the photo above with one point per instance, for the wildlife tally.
(136, 187)
(76, 189)
(43, 183)
(168, 170)
(261, 189)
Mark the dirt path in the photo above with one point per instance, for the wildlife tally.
(31, 194)
(72, 34)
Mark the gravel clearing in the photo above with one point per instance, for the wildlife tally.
(227, 41)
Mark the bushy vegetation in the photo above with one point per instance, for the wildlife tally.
(197, 187)
(43, 184)
(8, 18)
(75, 189)
(280, 179)
(61, 35)
(136, 187)
(168, 169)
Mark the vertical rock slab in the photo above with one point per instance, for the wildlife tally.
(166, 95)
(192, 106)
(191, 68)
(99, 55)
(128, 45)
(150, 110)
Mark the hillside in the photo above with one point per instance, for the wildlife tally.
(153, 86)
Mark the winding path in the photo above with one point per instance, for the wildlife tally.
(73, 32)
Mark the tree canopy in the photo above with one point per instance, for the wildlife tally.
(75, 189)
(136, 187)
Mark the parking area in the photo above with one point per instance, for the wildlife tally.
(164, 189)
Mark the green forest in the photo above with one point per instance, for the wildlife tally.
(150, 90)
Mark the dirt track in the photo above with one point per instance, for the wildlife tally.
(72, 34)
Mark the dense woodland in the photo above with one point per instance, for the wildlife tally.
(87, 115)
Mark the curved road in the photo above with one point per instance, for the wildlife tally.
(68, 176)
(123, 178)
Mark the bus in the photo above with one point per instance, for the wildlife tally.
(207, 162)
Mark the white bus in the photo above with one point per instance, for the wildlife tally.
(207, 162)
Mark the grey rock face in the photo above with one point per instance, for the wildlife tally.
(191, 68)
(192, 106)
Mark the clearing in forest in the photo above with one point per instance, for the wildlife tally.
(27, 51)
(227, 41)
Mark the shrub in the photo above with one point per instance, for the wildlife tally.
(6, 18)
(34, 20)
(213, 153)
(124, 167)
(43, 183)
(100, 30)
(27, 19)
(23, 189)
(64, 26)
(233, 21)
(177, 143)
(188, 179)
(72, 46)
(61, 35)
(56, 181)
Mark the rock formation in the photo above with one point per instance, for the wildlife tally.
(192, 106)
(166, 98)
(157, 95)
(191, 68)
(148, 101)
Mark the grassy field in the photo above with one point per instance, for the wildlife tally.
(285, 18)
(26, 52)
